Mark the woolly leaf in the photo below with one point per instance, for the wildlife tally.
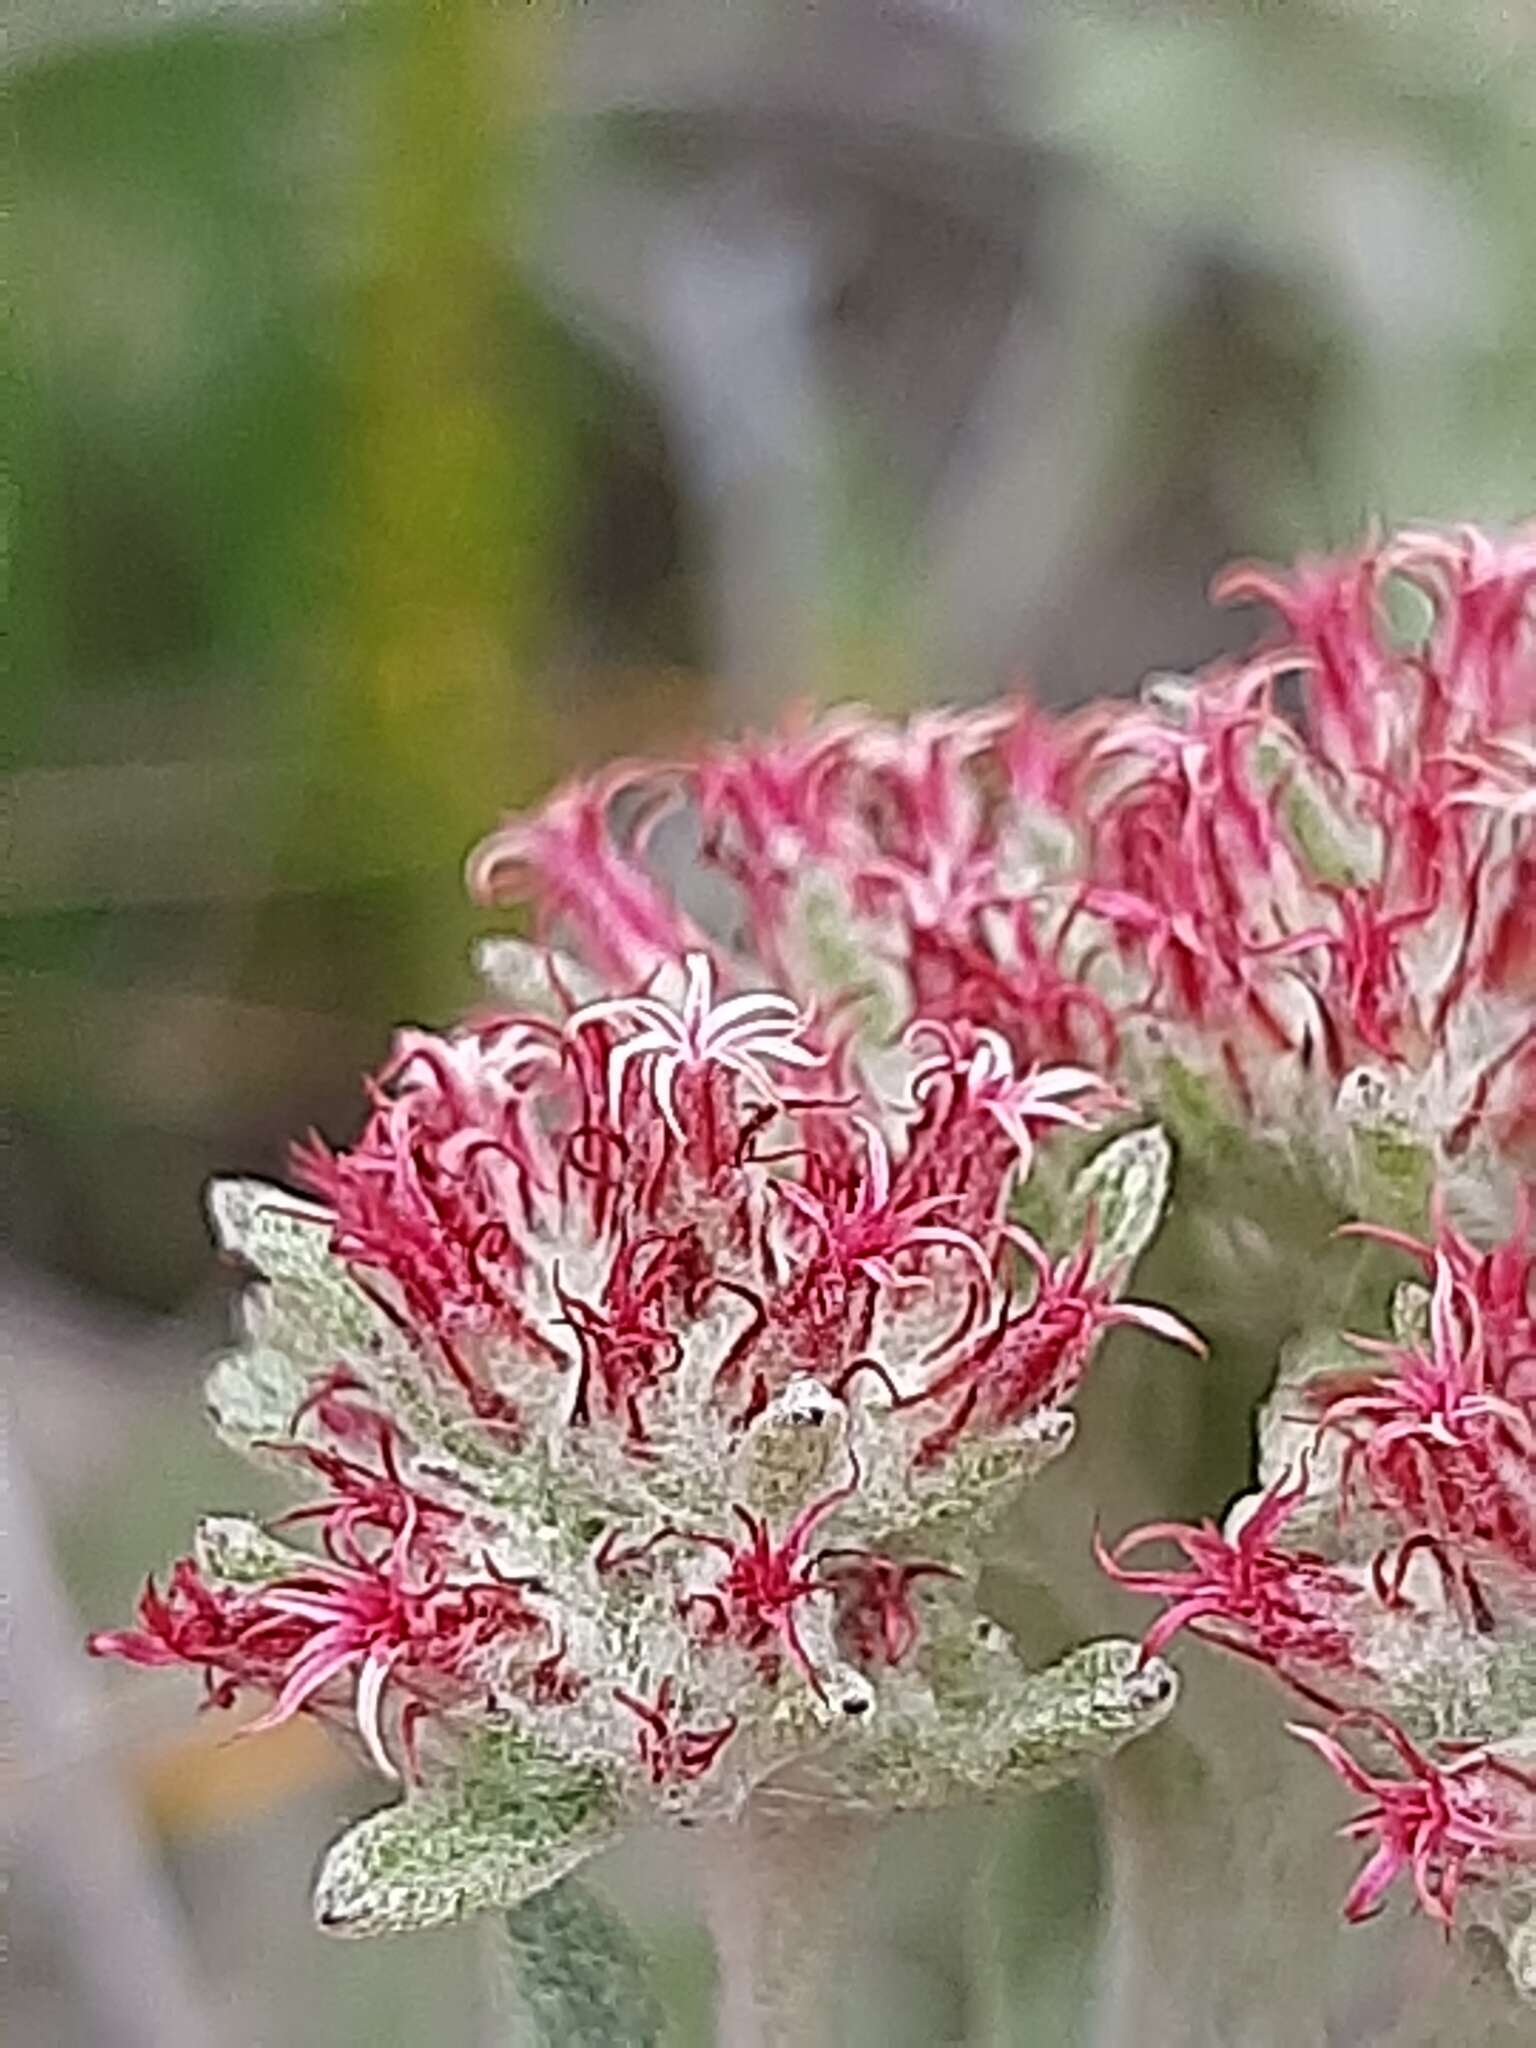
(838, 951)
(527, 977)
(1124, 1188)
(1410, 1312)
(987, 1727)
(253, 1395)
(276, 1233)
(511, 1822)
(238, 1551)
(1394, 1169)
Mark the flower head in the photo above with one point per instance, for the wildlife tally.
(663, 1349)
(739, 1034)
(1438, 1823)
(1287, 1608)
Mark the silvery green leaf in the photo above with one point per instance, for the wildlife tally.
(276, 1233)
(311, 1303)
(1335, 847)
(789, 1452)
(1197, 1106)
(1124, 1187)
(983, 1726)
(528, 977)
(1287, 1425)
(1410, 1312)
(1522, 1957)
(1393, 1166)
(958, 1500)
(253, 1395)
(238, 1551)
(837, 951)
(510, 1822)
(1394, 1173)
(1078, 1712)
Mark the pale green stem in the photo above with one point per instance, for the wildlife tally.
(569, 1974)
(782, 1892)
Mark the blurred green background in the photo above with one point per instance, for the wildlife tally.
(411, 402)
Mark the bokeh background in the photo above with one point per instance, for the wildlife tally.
(412, 402)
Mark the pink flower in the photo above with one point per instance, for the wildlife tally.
(1441, 1823)
(1290, 1609)
(1436, 1441)
(1330, 612)
(380, 1621)
(629, 1342)
(208, 1627)
(449, 1165)
(1025, 1360)
(672, 1755)
(368, 1622)
(738, 1033)
(365, 1508)
(1499, 1285)
(625, 922)
(753, 1603)
(960, 1088)
(877, 1622)
(861, 1227)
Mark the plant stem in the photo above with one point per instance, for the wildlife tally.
(782, 1884)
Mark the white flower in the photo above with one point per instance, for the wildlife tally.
(740, 1032)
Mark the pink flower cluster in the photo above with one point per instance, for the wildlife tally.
(1421, 1554)
(1268, 901)
(547, 1213)
(1277, 907)
(760, 1113)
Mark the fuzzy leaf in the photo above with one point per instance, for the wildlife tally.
(1078, 1712)
(1393, 1168)
(1335, 848)
(1196, 1106)
(956, 1503)
(1125, 1189)
(238, 1551)
(1410, 1312)
(276, 1233)
(837, 950)
(1287, 1425)
(989, 1728)
(312, 1306)
(528, 977)
(511, 1822)
(1522, 1959)
(253, 1395)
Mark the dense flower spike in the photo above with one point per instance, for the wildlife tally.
(1197, 884)
(617, 1352)
(1387, 1574)
(671, 1337)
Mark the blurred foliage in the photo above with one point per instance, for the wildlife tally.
(1361, 178)
(413, 398)
(300, 453)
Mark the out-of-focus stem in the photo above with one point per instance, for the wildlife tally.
(782, 1887)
